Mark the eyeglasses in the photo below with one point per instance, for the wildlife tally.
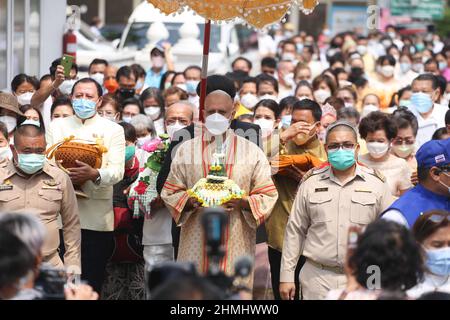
(345, 146)
(436, 218)
(400, 141)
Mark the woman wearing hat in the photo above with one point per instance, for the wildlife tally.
(9, 111)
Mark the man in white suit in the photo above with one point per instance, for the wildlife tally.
(96, 211)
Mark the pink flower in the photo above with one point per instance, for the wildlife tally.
(152, 145)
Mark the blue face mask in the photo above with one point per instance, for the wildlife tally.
(299, 47)
(84, 109)
(129, 152)
(405, 67)
(286, 121)
(191, 86)
(442, 65)
(422, 102)
(30, 163)
(341, 159)
(438, 261)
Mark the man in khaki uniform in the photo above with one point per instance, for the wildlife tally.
(330, 199)
(299, 139)
(32, 185)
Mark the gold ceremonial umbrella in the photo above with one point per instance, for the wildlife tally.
(257, 13)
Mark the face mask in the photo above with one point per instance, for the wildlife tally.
(111, 85)
(249, 100)
(289, 79)
(268, 96)
(420, 46)
(31, 163)
(217, 124)
(403, 150)
(362, 50)
(288, 56)
(442, 65)
(448, 187)
(348, 104)
(404, 103)
(386, 43)
(158, 61)
(126, 119)
(10, 122)
(438, 261)
(299, 47)
(139, 85)
(127, 93)
(286, 121)
(25, 98)
(84, 109)
(341, 159)
(387, 71)
(129, 152)
(171, 129)
(266, 126)
(368, 108)
(377, 149)
(32, 122)
(321, 95)
(405, 67)
(6, 153)
(422, 102)
(66, 87)
(167, 85)
(141, 141)
(98, 77)
(153, 112)
(303, 138)
(391, 34)
(191, 86)
(417, 67)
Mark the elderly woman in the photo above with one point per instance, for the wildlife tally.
(145, 129)
(378, 130)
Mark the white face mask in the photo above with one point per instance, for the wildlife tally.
(6, 153)
(158, 61)
(348, 105)
(368, 108)
(288, 56)
(266, 126)
(321, 95)
(66, 86)
(387, 71)
(98, 77)
(377, 149)
(249, 100)
(403, 150)
(217, 124)
(141, 141)
(289, 79)
(268, 96)
(172, 128)
(25, 98)
(126, 119)
(10, 122)
(153, 112)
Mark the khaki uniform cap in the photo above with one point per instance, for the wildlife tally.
(9, 102)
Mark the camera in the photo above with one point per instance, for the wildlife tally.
(50, 282)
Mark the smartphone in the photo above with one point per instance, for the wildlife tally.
(67, 62)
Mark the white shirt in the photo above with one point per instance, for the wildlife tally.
(431, 283)
(428, 126)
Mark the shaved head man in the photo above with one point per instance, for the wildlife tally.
(178, 116)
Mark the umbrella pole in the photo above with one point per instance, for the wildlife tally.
(206, 42)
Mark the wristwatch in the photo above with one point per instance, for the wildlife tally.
(98, 180)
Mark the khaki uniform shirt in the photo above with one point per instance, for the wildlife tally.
(47, 194)
(323, 211)
(287, 188)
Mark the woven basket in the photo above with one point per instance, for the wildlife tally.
(68, 151)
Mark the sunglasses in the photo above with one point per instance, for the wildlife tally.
(436, 218)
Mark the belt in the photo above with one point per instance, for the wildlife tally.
(339, 270)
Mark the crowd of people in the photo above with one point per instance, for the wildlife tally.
(340, 145)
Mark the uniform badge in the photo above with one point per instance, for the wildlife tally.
(6, 185)
(50, 183)
(321, 190)
(363, 190)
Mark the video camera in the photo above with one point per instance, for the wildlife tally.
(213, 222)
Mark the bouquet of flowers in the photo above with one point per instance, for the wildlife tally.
(143, 190)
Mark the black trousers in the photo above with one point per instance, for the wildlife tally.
(275, 264)
(96, 249)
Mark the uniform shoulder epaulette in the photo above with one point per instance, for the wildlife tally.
(374, 172)
(314, 171)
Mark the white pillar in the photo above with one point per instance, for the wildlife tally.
(294, 18)
(102, 10)
(53, 19)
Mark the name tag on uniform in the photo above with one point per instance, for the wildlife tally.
(321, 190)
(6, 187)
(363, 190)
